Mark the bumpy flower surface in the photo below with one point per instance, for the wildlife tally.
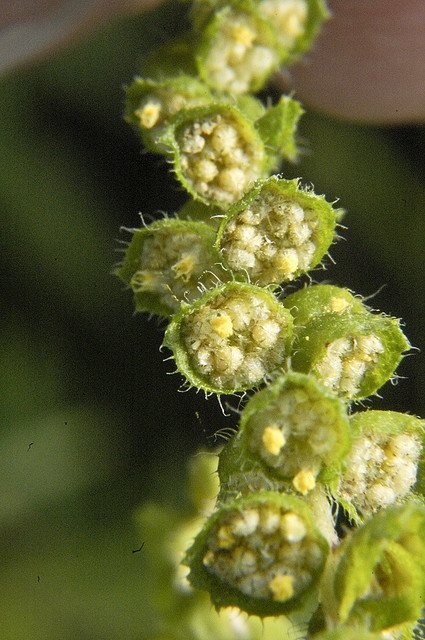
(217, 153)
(352, 354)
(260, 553)
(238, 51)
(383, 462)
(296, 429)
(277, 232)
(230, 339)
(166, 261)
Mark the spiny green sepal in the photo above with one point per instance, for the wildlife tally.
(296, 430)
(354, 355)
(230, 339)
(276, 232)
(165, 263)
(150, 103)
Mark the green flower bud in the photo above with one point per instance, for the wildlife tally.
(238, 50)
(276, 232)
(151, 103)
(217, 152)
(380, 578)
(165, 262)
(352, 354)
(319, 299)
(383, 462)
(230, 339)
(296, 429)
(261, 553)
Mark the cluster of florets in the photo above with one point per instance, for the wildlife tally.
(302, 455)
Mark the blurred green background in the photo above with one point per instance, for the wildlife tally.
(91, 425)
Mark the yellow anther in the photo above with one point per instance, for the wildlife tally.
(338, 305)
(145, 280)
(287, 263)
(304, 481)
(273, 440)
(149, 114)
(222, 325)
(243, 35)
(282, 587)
(183, 268)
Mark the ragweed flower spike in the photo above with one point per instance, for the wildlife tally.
(352, 354)
(277, 232)
(218, 151)
(295, 429)
(261, 553)
(230, 339)
(165, 263)
(379, 580)
(384, 463)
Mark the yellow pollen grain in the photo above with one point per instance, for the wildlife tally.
(243, 35)
(273, 440)
(288, 263)
(149, 114)
(183, 268)
(338, 305)
(304, 481)
(282, 587)
(145, 281)
(222, 325)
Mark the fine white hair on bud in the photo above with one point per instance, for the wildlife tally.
(295, 429)
(218, 158)
(230, 339)
(277, 232)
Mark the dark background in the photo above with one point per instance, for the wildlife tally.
(91, 425)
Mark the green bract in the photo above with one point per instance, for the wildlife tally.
(320, 299)
(151, 103)
(296, 429)
(230, 339)
(276, 232)
(379, 581)
(165, 263)
(383, 462)
(352, 354)
(261, 553)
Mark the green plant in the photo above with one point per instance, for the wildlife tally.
(319, 511)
